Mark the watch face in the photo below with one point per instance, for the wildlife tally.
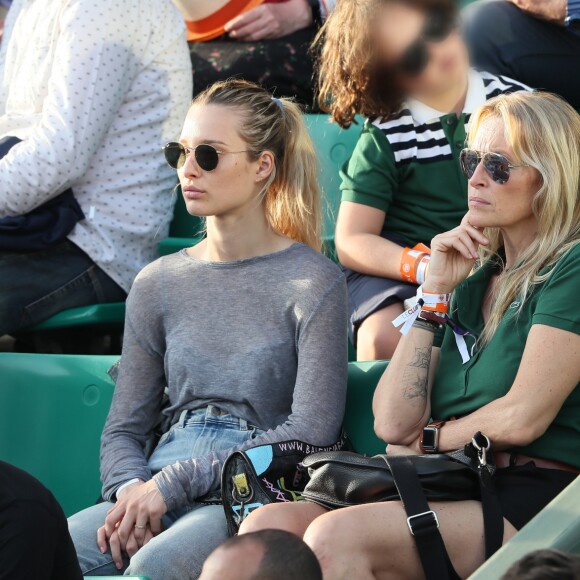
(429, 438)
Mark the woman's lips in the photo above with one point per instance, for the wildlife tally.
(192, 192)
(478, 202)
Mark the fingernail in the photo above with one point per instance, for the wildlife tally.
(102, 549)
(233, 33)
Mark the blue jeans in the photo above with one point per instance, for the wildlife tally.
(192, 532)
(36, 285)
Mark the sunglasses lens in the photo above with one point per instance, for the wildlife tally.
(498, 167)
(438, 26)
(469, 160)
(174, 155)
(207, 157)
(415, 59)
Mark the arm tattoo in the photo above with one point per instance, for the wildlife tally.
(416, 376)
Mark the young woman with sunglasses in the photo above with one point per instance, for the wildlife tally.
(247, 330)
(405, 67)
(513, 266)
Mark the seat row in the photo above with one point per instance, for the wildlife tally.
(53, 407)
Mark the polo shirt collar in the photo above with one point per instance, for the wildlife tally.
(476, 96)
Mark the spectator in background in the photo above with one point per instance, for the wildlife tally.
(34, 538)
(4, 6)
(403, 65)
(545, 565)
(89, 104)
(536, 42)
(265, 41)
(265, 555)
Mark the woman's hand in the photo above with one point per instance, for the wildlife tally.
(133, 520)
(453, 254)
(269, 21)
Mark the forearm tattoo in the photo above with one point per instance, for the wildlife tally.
(416, 376)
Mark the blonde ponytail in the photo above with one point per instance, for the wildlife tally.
(291, 195)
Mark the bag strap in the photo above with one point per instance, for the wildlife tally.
(421, 519)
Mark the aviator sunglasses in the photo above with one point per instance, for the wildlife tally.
(498, 166)
(206, 156)
(437, 28)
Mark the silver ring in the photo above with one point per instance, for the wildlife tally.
(140, 527)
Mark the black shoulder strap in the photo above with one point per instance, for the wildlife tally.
(493, 526)
(422, 521)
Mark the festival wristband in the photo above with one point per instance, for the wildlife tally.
(422, 269)
(427, 301)
(410, 261)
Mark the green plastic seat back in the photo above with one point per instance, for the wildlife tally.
(52, 412)
(363, 378)
(334, 146)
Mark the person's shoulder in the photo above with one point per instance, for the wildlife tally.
(570, 259)
(312, 268)
(399, 122)
(149, 279)
(500, 84)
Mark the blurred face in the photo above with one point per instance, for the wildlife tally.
(237, 181)
(498, 205)
(399, 30)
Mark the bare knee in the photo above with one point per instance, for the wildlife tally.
(290, 517)
(338, 551)
(377, 338)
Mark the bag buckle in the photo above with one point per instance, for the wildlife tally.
(423, 525)
(482, 448)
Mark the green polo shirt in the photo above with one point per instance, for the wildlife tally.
(408, 165)
(460, 389)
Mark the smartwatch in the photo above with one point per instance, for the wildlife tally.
(430, 437)
(573, 15)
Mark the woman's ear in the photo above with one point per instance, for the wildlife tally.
(265, 165)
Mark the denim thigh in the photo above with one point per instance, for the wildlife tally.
(36, 285)
(199, 432)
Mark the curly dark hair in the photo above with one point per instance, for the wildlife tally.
(349, 80)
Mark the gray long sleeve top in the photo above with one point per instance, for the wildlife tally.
(263, 338)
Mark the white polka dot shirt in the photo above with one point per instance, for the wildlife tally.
(95, 89)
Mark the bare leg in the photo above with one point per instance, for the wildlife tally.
(291, 517)
(377, 338)
(373, 542)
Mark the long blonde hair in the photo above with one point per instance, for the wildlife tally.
(544, 133)
(291, 195)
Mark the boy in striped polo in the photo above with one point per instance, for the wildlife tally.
(403, 184)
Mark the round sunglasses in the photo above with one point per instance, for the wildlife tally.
(498, 166)
(206, 156)
(437, 28)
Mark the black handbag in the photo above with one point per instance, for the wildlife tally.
(342, 479)
(266, 474)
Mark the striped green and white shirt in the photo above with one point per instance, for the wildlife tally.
(408, 165)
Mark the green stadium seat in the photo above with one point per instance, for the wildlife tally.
(334, 146)
(117, 577)
(112, 314)
(52, 411)
(556, 527)
(363, 378)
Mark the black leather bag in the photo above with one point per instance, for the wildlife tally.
(343, 479)
(263, 475)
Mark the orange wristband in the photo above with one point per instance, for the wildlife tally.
(410, 260)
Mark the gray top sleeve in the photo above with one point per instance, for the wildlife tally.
(322, 368)
(132, 418)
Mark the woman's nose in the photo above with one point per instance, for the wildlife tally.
(190, 167)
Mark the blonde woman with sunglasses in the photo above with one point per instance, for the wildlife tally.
(512, 373)
(247, 330)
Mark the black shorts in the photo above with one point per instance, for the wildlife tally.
(369, 294)
(524, 490)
